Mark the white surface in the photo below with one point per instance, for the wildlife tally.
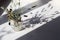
(14, 35)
